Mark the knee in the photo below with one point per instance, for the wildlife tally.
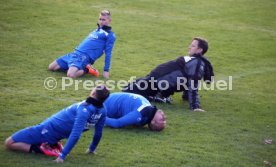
(50, 67)
(71, 75)
(74, 74)
(8, 143)
(53, 66)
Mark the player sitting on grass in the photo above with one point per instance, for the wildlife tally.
(69, 123)
(181, 74)
(92, 47)
(125, 109)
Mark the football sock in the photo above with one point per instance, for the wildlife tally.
(35, 148)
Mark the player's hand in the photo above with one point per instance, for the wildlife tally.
(59, 160)
(90, 152)
(106, 74)
(198, 110)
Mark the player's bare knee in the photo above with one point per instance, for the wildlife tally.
(50, 68)
(71, 75)
(53, 66)
(8, 143)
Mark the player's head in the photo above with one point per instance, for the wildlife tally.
(104, 18)
(100, 92)
(158, 122)
(198, 46)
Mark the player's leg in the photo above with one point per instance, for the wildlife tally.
(26, 140)
(17, 146)
(74, 72)
(133, 87)
(141, 86)
(54, 66)
(44, 148)
(185, 96)
(32, 140)
(77, 64)
(61, 63)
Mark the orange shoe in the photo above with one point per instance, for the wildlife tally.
(92, 71)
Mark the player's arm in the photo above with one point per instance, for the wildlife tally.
(193, 94)
(131, 118)
(192, 84)
(108, 50)
(79, 124)
(98, 132)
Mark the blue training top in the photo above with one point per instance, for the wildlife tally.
(71, 121)
(96, 43)
(125, 109)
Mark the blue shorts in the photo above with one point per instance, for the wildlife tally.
(73, 59)
(34, 135)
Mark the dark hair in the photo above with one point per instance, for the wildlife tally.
(202, 43)
(102, 93)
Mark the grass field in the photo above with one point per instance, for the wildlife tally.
(242, 39)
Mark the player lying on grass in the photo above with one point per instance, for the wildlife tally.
(69, 123)
(92, 47)
(178, 75)
(125, 109)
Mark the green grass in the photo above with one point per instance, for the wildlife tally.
(242, 39)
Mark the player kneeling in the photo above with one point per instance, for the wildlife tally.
(69, 123)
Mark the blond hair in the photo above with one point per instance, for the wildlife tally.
(105, 12)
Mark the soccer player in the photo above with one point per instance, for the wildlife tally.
(69, 123)
(90, 49)
(125, 109)
(182, 74)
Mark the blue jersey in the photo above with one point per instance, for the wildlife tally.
(96, 43)
(70, 122)
(127, 109)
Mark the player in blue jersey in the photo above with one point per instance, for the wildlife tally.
(69, 123)
(125, 109)
(89, 50)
